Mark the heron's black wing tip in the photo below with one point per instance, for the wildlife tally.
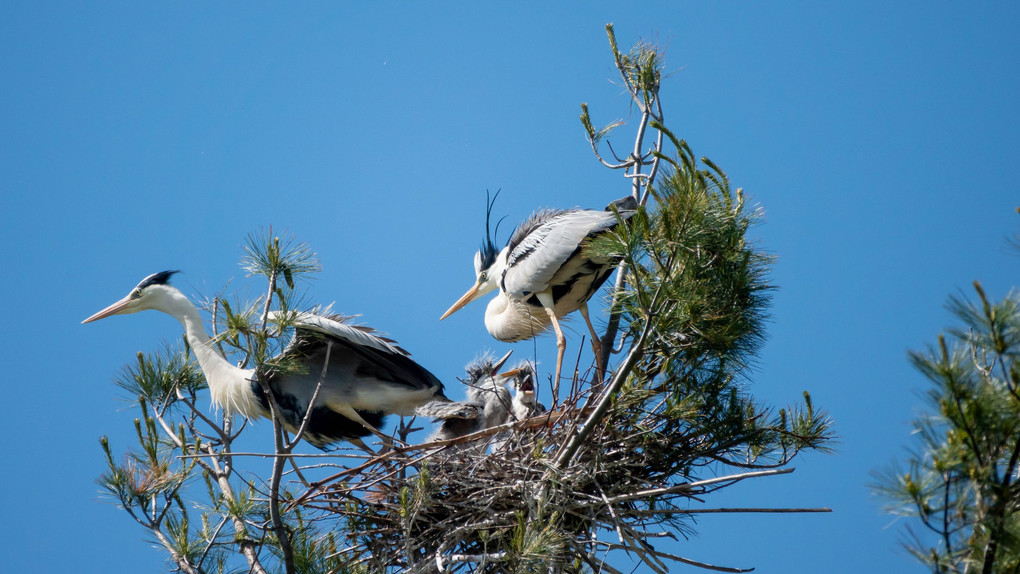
(628, 203)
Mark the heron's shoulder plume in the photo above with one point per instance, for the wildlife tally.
(339, 326)
(341, 318)
(378, 335)
(533, 222)
(161, 278)
(347, 321)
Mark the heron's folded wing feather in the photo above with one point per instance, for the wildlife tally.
(445, 411)
(356, 334)
(535, 258)
(372, 356)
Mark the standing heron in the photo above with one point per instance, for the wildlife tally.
(367, 377)
(544, 273)
(488, 402)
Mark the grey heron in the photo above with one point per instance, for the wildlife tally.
(368, 376)
(487, 404)
(525, 403)
(543, 273)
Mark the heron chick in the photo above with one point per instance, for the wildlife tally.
(487, 404)
(525, 403)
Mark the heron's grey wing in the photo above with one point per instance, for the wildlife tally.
(368, 354)
(446, 411)
(626, 203)
(355, 334)
(535, 258)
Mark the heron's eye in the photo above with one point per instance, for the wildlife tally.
(136, 293)
(482, 277)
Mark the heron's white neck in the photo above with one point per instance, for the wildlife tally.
(229, 385)
(507, 318)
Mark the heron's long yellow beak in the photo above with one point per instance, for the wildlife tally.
(509, 374)
(111, 310)
(464, 300)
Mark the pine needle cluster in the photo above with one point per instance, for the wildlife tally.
(961, 482)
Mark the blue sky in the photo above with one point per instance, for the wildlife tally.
(880, 140)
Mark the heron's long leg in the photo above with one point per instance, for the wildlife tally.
(545, 298)
(596, 346)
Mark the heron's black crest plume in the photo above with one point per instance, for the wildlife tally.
(479, 368)
(488, 250)
(161, 278)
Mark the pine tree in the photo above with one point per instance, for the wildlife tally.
(961, 482)
(637, 446)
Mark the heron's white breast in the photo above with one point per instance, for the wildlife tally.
(511, 320)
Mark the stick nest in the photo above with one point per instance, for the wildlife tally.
(495, 500)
